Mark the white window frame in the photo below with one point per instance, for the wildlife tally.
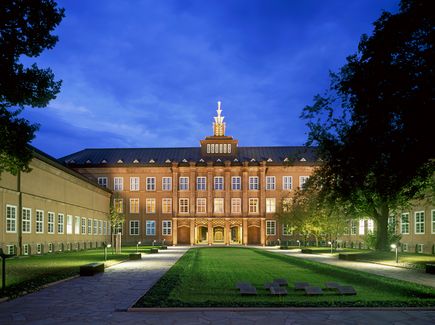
(150, 206)
(420, 248)
(287, 230)
(236, 205)
(95, 227)
(254, 183)
(270, 227)
(253, 204)
(77, 225)
(201, 205)
(39, 221)
(89, 225)
(50, 222)
(11, 218)
(302, 181)
(201, 183)
(134, 183)
(183, 205)
(236, 183)
(25, 249)
(166, 227)
(134, 226)
(183, 183)
(406, 224)
(118, 183)
(60, 223)
(151, 184)
(353, 228)
(150, 228)
(432, 213)
(361, 228)
(26, 221)
(218, 183)
(270, 205)
(134, 205)
(270, 183)
(419, 223)
(118, 204)
(370, 225)
(100, 227)
(218, 205)
(83, 226)
(287, 183)
(103, 181)
(166, 183)
(10, 249)
(69, 224)
(167, 205)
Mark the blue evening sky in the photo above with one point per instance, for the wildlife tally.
(149, 73)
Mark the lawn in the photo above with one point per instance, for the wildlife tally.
(206, 277)
(28, 273)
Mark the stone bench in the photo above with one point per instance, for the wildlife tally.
(430, 268)
(164, 247)
(91, 269)
(135, 256)
(154, 250)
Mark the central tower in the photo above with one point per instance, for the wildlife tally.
(219, 145)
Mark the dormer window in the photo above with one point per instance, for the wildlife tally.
(303, 159)
(252, 160)
(201, 160)
(104, 161)
(168, 161)
(236, 160)
(88, 161)
(120, 161)
(184, 160)
(72, 161)
(285, 159)
(269, 160)
(136, 161)
(152, 161)
(218, 160)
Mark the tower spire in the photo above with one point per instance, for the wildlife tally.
(218, 124)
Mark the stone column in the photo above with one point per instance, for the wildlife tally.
(263, 232)
(209, 232)
(245, 231)
(227, 234)
(192, 231)
(174, 231)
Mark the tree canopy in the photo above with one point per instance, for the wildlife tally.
(373, 127)
(25, 31)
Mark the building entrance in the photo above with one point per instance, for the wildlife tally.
(202, 235)
(218, 235)
(236, 235)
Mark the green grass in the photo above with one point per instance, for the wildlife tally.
(206, 277)
(29, 273)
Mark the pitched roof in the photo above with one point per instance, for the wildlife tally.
(160, 156)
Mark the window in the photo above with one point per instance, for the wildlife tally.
(419, 222)
(236, 205)
(95, 227)
(77, 226)
(39, 222)
(433, 221)
(361, 227)
(253, 183)
(118, 183)
(150, 228)
(270, 183)
(134, 184)
(302, 181)
(38, 249)
(201, 205)
(218, 183)
(404, 223)
(404, 247)
(167, 205)
(89, 226)
(287, 230)
(10, 249)
(392, 223)
(167, 184)
(50, 222)
(26, 249)
(102, 181)
(118, 204)
(270, 205)
(69, 224)
(166, 227)
(236, 183)
(253, 205)
(150, 206)
(134, 227)
(286, 204)
(105, 228)
(419, 248)
(219, 205)
(151, 183)
(83, 226)
(286, 183)
(134, 205)
(270, 227)
(201, 183)
(184, 205)
(370, 226)
(208, 147)
(100, 227)
(60, 223)
(11, 218)
(50, 247)
(353, 227)
(26, 221)
(184, 183)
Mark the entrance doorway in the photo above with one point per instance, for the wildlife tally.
(236, 237)
(218, 235)
(202, 235)
(183, 235)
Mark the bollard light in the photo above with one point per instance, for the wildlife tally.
(330, 243)
(395, 247)
(154, 242)
(106, 246)
(299, 243)
(137, 246)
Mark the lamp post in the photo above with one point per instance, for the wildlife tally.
(154, 242)
(4, 257)
(299, 243)
(330, 243)
(106, 246)
(279, 242)
(395, 247)
(137, 246)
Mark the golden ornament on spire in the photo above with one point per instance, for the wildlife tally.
(218, 124)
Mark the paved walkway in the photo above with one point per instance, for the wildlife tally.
(103, 298)
(410, 275)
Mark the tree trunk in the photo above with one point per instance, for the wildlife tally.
(382, 228)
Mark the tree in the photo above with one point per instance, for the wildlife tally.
(25, 30)
(373, 127)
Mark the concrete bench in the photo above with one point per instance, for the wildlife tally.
(313, 291)
(154, 250)
(91, 269)
(135, 256)
(164, 247)
(278, 291)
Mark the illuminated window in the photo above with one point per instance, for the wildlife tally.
(89, 226)
(208, 148)
(201, 205)
(150, 205)
(184, 205)
(236, 205)
(270, 183)
(419, 222)
(166, 205)
(69, 224)
(167, 184)
(361, 227)
(60, 223)
(134, 205)
(218, 205)
(11, 218)
(134, 183)
(118, 205)
(50, 222)
(229, 148)
(253, 183)
(118, 183)
(286, 183)
(27, 221)
(95, 227)
(184, 183)
(253, 205)
(270, 205)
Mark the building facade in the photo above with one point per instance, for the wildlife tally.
(51, 209)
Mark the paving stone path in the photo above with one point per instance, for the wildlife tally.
(103, 299)
(410, 275)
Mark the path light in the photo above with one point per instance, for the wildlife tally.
(154, 242)
(279, 242)
(395, 247)
(299, 243)
(330, 243)
(106, 246)
(137, 246)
